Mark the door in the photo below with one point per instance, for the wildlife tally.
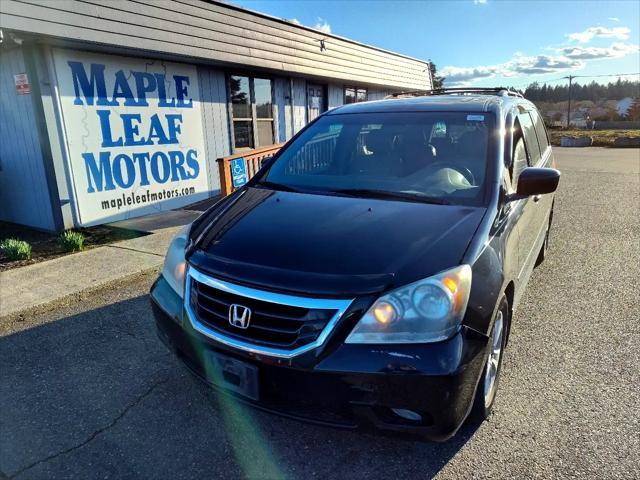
(315, 101)
(530, 225)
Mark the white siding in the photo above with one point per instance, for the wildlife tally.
(24, 194)
(215, 124)
(299, 104)
(376, 94)
(283, 109)
(336, 95)
(215, 32)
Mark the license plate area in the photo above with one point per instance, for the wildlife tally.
(234, 375)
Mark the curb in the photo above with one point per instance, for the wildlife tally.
(576, 141)
(34, 286)
(627, 142)
(70, 299)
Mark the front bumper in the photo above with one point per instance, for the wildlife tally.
(347, 385)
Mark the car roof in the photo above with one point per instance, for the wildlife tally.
(497, 104)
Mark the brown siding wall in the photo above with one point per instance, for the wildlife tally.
(214, 32)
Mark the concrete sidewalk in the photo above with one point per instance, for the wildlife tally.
(49, 281)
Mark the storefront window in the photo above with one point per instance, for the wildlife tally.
(240, 97)
(355, 95)
(252, 111)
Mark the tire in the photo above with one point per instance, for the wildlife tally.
(487, 387)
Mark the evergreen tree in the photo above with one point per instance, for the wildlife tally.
(438, 81)
(634, 110)
(583, 91)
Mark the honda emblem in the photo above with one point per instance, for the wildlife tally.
(239, 316)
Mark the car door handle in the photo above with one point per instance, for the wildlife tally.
(536, 198)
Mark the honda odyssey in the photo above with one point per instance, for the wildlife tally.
(368, 274)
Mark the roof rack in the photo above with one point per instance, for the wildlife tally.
(501, 91)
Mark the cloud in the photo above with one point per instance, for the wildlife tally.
(614, 19)
(542, 64)
(464, 74)
(322, 25)
(518, 65)
(479, 2)
(616, 50)
(621, 33)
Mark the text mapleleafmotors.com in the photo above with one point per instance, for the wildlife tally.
(147, 197)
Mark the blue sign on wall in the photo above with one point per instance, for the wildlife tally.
(238, 172)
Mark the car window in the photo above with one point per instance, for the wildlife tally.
(317, 154)
(520, 161)
(426, 154)
(530, 137)
(543, 139)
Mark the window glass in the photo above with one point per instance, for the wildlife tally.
(247, 94)
(264, 105)
(317, 154)
(243, 133)
(519, 161)
(240, 97)
(265, 133)
(543, 140)
(354, 95)
(530, 137)
(390, 152)
(349, 95)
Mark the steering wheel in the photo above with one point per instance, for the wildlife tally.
(464, 171)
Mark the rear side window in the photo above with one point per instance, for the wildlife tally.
(543, 140)
(530, 137)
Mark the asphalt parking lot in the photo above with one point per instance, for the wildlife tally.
(87, 390)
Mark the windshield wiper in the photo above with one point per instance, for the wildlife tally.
(277, 186)
(373, 193)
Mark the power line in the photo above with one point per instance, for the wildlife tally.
(611, 75)
(574, 76)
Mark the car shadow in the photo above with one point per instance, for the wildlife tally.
(96, 394)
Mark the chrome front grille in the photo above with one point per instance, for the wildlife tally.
(279, 325)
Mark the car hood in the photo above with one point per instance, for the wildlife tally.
(328, 245)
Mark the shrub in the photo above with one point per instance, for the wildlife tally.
(15, 249)
(72, 241)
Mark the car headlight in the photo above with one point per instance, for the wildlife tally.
(429, 310)
(175, 265)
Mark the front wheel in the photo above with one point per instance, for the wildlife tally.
(488, 385)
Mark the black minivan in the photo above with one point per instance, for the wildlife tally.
(368, 273)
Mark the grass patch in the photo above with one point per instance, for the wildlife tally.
(15, 249)
(71, 241)
(601, 138)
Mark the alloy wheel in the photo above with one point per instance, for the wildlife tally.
(493, 360)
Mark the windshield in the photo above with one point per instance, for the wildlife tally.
(438, 157)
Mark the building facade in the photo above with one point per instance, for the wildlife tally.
(111, 110)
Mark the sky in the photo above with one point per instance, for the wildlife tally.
(485, 42)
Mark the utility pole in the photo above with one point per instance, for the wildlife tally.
(570, 77)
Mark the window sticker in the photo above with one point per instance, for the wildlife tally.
(475, 118)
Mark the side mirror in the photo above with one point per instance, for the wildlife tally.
(537, 181)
